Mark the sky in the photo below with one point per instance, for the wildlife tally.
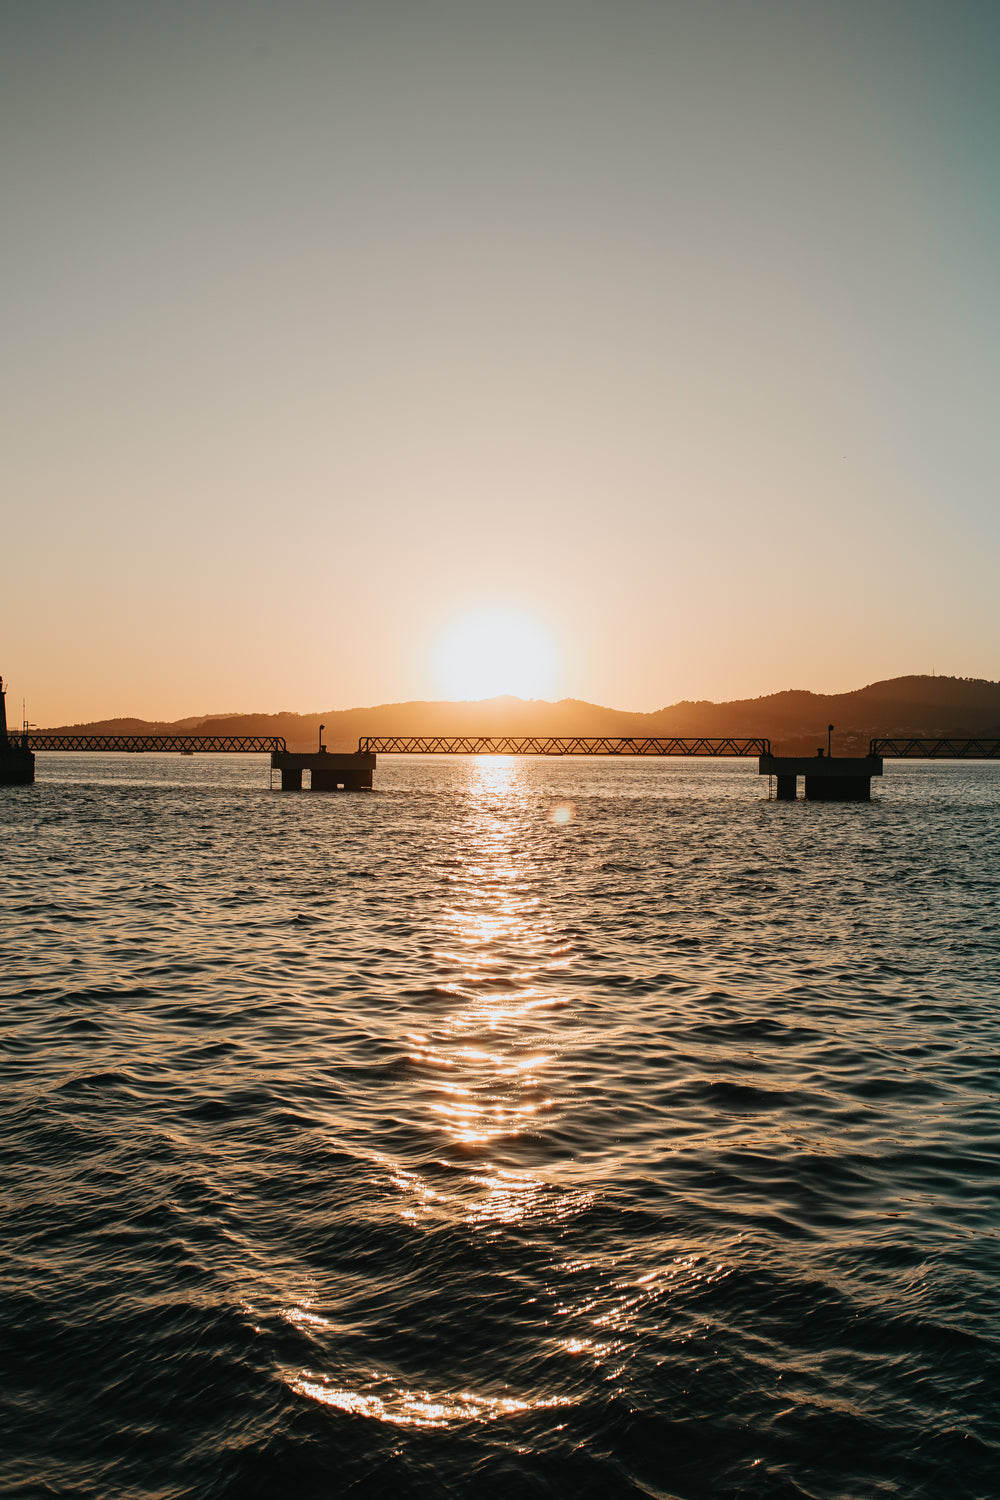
(371, 350)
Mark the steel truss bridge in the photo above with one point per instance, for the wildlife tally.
(253, 744)
(547, 745)
(134, 744)
(928, 749)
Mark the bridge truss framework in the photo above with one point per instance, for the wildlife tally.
(557, 745)
(186, 744)
(730, 745)
(931, 749)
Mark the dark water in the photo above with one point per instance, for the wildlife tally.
(416, 1143)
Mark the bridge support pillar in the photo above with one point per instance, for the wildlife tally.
(827, 778)
(17, 766)
(839, 788)
(327, 772)
(332, 781)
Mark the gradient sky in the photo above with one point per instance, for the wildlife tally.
(670, 331)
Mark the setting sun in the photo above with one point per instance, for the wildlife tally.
(493, 654)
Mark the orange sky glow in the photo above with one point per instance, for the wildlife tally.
(630, 353)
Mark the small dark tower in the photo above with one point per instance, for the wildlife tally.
(17, 763)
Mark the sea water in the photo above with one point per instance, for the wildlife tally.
(575, 1127)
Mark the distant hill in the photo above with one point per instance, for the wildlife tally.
(794, 720)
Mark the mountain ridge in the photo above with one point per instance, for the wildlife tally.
(794, 719)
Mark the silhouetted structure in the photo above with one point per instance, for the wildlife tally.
(929, 749)
(327, 773)
(184, 744)
(558, 745)
(17, 764)
(828, 778)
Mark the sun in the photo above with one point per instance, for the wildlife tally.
(493, 654)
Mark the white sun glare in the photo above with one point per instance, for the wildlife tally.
(489, 655)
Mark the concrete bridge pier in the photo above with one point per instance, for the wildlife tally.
(827, 778)
(327, 773)
(838, 788)
(326, 780)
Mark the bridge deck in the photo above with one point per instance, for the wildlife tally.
(729, 745)
(550, 745)
(931, 749)
(213, 744)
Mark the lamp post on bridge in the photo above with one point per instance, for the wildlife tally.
(322, 747)
(829, 733)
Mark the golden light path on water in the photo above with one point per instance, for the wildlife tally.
(486, 1081)
(492, 1075)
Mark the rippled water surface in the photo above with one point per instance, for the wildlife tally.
(523, 1127)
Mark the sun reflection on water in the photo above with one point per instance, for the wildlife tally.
(487, 1062)
(486, 1050)
(614, 1299)
(482, 1088)
(387, 1401)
